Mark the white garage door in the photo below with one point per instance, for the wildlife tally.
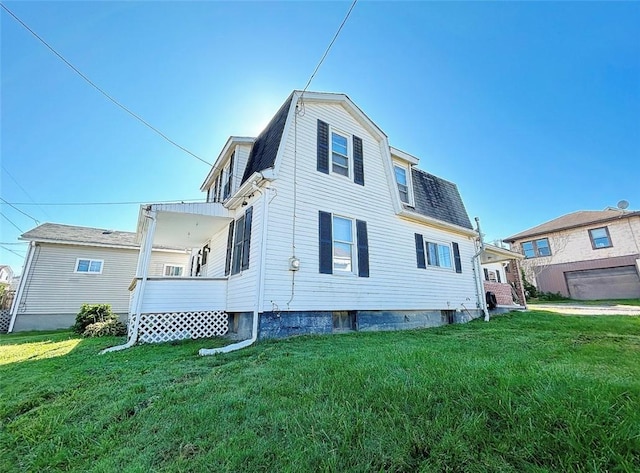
(609, 283)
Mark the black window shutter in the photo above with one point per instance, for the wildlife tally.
(456, 257)
(227, 265)
(363, 249)
(422, 263)
(486, 274)
(358, 161)
(323, 147)
(498, 275)
(246, 245)
(326, 243)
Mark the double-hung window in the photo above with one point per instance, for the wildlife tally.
(536, 248)
(600, 238)
(343, 245)
(339, 154)
(401, 181)
(89, 266)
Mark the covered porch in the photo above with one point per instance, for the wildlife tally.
(508, 291)
(188, 305)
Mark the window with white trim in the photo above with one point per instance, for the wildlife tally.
(342, 244)
(173, 270)
(89, 266)
(402, 182)
(438, 255)
(339, 154)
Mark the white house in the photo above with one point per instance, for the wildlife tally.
(317, 225)
(67, 266)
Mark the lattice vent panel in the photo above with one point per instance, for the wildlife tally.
(165, 327)
(5, 319)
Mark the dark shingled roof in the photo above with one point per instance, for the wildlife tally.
(265, 149)
(439, 199)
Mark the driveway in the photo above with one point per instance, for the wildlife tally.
(583, 309)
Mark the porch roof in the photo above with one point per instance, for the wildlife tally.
(184, 225)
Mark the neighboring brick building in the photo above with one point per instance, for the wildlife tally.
(502, 276)
(584, 254)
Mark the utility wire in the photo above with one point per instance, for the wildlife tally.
(329, 47)
(9, 220)
(108, 203)
(90, 82)
(24, 190)
(11, 251)
(23, 213)
(14, 243)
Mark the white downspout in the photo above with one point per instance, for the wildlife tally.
(482, 303)
(259, 298)
(139, 296)
(23, 282)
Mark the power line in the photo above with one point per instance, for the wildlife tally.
(23, 213)
(90, 82)
(11, 251)
(9, 220)
(14, 243)
(110, 203)
(329, 47)
(24, 190)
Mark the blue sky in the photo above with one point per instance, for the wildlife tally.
(531, 108)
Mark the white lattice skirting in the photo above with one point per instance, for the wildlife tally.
(5, 319)
(165, 327)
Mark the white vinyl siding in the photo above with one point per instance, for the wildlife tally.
(395, 283)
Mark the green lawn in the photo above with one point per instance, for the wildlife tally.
(606, 302)
(526, 392)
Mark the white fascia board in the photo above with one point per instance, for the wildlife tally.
(404, 156)
(502, 252)
(231, 142)
(285, 133)
(437, 223)
(348, 104)
(257, 178)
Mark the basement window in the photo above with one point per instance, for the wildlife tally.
(344, 321)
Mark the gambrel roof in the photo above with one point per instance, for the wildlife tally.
(437, 198)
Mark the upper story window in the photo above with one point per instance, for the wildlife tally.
(536, 248)
(173, 270)
(401, 181)
(339, 154)
(228, 187)
(93, 266)
(600, 238)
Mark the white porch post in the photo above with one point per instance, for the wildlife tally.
(142, 272)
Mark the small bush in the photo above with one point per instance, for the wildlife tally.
(551, 296)
(109, 328)
(91, 314)
(529, 289)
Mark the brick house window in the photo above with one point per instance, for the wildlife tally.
(600, 238)
(536, 248)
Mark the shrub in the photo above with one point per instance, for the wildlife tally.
(529, 289)
(109, 328)
(91, 314)
(551, 296)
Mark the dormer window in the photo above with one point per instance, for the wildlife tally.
(229, 184)
(339, 154)
(402, 183)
